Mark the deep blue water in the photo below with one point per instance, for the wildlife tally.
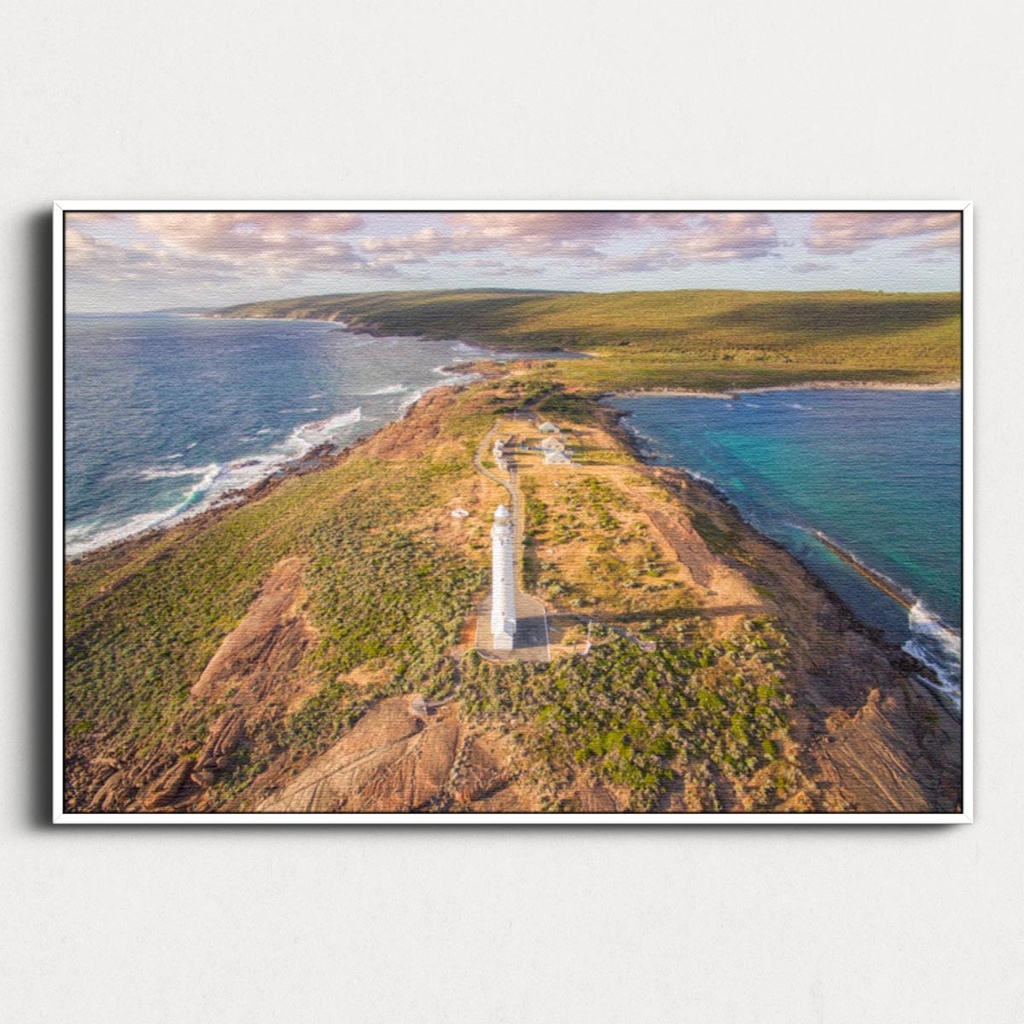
(877, 471)
(164, 414)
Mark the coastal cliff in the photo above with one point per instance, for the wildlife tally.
(310, 648)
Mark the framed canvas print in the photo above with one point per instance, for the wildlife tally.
(512, 512)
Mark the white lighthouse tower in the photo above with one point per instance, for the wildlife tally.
(503, 588)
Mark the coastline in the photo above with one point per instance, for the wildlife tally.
(855, 696)
(944, 672)
(327, 455)
(631, 441)
(278, 467)
(923, 687)
(810, 385)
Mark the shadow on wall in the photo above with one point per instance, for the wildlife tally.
(38, 575)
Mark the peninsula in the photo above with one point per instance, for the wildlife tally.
(316, 646)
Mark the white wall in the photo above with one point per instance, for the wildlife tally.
(489, 100)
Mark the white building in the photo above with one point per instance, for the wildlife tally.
(503, 584)
(558, 457)
(547, 427)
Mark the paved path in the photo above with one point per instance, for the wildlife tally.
(531, 640)
(485, 446)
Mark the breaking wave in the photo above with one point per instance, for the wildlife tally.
(932, 642)
(308, 436)
(216, 481)
(87, 536)
(938, 646)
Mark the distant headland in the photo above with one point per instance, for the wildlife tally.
(689, 340)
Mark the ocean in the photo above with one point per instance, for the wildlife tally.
(873, 473)
(165, 414)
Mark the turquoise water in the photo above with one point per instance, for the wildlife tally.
(877, 471)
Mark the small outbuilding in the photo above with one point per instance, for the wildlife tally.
(557, 458)
(459, 513)
(547, 427)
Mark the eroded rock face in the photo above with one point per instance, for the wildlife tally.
(480, 774)
(258, 657)
(171, 788)
(400, 758)
(391, 760)
(255, 673)
(224, 736)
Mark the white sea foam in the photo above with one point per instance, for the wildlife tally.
(939, 647)
(88, 536)
(452, 376)
(931, 641)
(215, 482)
(310, 435)
(694, 475)
(412, 399)
(155, 473)
(391, 389)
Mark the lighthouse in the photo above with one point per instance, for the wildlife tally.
(503, 586)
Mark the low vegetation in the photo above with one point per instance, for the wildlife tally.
(142, 620)
(639, 719)
(675, 339)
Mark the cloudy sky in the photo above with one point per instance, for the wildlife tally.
(139, 261)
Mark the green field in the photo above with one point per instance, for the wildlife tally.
(675, 339)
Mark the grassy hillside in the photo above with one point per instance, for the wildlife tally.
(713, 339)
(388, 583)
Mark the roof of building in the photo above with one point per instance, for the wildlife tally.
(557, 458)
(547, 427)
